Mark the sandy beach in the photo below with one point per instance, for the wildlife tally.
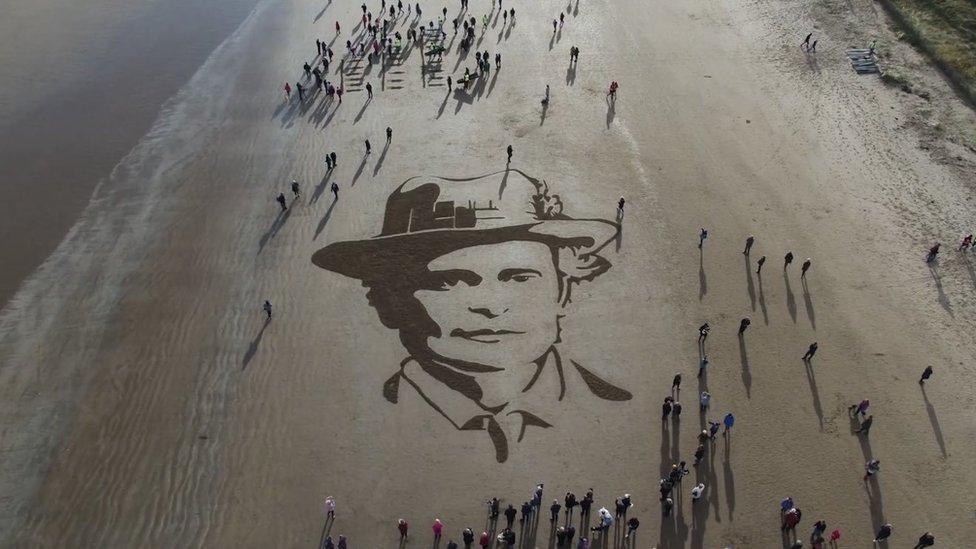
(146, 400)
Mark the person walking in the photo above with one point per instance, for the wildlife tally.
(333, 156)
(620, 205)
(703, 334)
(562, 19)
(510, 513)
(697, 492)
(967, 242)
(806, 42)
(819, 528)
(369, 91)
(335, 188)
(791, 518)
(301, 91)
(787, 259)
(287, 90)
(702, 235)
(294, 188)
(281, 201)
(554, 510)
(925, 540)
(666, 408)
(338, 29)
(330, 502)
(632, 525)
(570, 502)
(866, 425)
(749, 240)
(926, 374)
(267, 311)
(813, 47)
(811, 350)
(834, 536)
(705, 399)
(699, 453)
(437, 527)
(883, 533)
(933, 253)
(676, 385)
(805, 267)
(389, 134)
(859, 408)
(402, 526)
(743, 324)
(369, 149)
(729, 421)
(871, 468)
(339, 93)
(759, 264)
(510, 150)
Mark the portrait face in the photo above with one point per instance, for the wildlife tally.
(495, 304)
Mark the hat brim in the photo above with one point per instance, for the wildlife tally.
(375, 257)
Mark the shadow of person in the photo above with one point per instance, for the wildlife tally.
(491, 86)
(440, 111)
(942, 297)
(379, 161)
(325, 7)
(252, 349)
(808, 303)
(324, 220)
(749, 285)
(359, 170)
(611, 112)
(790, 298)
(571, 74)
(762, 300)
(619, 238)
(276, 226)
(545, 108)
(812, 380)
(729, 478)
(702, 282)
(320, 188)
(744, 362)
(326, 530)
(552, 41)
(362, 109)
(934, 419)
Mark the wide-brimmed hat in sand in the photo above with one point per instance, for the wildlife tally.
(430, 216)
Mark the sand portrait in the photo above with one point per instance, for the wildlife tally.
(474, 275)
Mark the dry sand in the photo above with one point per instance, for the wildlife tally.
(144, 403)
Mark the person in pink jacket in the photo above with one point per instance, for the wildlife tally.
(438, 527)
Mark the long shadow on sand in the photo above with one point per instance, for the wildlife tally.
(253, 347)
(276, 226)
(744, 362)
(934, 419)
(808, 303)
(324, 220)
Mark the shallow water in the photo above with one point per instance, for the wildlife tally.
(82, 82)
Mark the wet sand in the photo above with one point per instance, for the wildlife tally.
(83, 83)
(145, 400)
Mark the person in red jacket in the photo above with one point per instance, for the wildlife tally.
(484, 540)
(402, 526)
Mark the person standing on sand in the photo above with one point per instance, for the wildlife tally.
(570, 501)
(702, 235)
(330, 502)
(866, 425)
(806, 42)
(676, 411)
(926, 374)
(749, 240)
(933, 253)
(871, 468)
(883, 533)
(437, 527)
(620, 205)
(676, 385)
(450, 544)
(368, 148)
(287, 90)
(760, 264)
(859, 408)
(342, 542)
(554, 510)
(335, 189)
(281, 201)
(294, 188)
(805, 267)
(510, 513)
(484, 539)
(699, 454)
(402, 526)
(666, 408)
(787, 260)
(925, 540)
(389, 134)
(301, 91)
(729, 421)
(510, 150)
(967, 242)
(703, 334)
(267, 311)
(332, 155)
(697, 491)
(705, 399)
(329, 544)
(811, 350)
(369, 91)
(743, 324)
